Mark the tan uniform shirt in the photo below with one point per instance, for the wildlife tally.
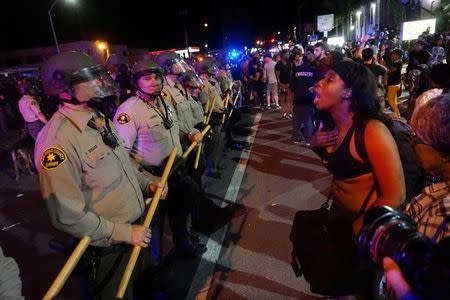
(89, 188)
(196, 109)
(225, 80)
(29, 108)
(209, 92)
(183, 110)
(143, 134)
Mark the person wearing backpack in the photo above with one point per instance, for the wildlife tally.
(348, 95)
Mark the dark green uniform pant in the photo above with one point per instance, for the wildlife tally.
(104, 278)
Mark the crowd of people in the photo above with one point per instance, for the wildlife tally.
(104, 133)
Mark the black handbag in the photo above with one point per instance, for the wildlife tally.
(324, 251)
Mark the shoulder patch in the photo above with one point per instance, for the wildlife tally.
(52, 158)
(33, 102)
(123, 118)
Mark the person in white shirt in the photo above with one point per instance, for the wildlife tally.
(439, 80)
(30, 110)
(271, 82)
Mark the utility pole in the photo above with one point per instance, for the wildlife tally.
(299, 30)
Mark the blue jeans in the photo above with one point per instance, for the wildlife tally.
(303, 115)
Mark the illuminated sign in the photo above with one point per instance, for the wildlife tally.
(325, 22)
(336, 41)
(412, 30)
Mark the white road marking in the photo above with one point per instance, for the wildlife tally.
(205, 269)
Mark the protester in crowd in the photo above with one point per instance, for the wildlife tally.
(437, 52)
(283, 71)
(304, 77)
(418, 46)
(394, 80)
(417, 80)
(325, 45)
(334, 56)
(321, 62)
(439, 79)
(347, 94)
(271, 82)
(297, 58)
(349, 50)
(256, 74)
(369, 60)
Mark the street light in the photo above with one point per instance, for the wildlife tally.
(51, 22)
(103, 47)
(205, 25)
(373, 6)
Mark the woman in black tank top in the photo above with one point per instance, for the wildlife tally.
(348, 95)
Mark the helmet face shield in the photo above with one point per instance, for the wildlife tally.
(180, 66)
(194, 81)
(92, 82)
(213, 70)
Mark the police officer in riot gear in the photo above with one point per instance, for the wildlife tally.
(175, 68)
(210, 96)
(228, 87)
(149, 128)
(86, 178)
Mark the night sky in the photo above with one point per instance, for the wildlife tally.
(151, 24)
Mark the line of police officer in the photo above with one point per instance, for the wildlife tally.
(94, 175)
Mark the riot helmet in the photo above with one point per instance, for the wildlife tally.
(207, 66)
(192, 80)
(192, 83)
(148, 78)
(78, 75)
(173, 64)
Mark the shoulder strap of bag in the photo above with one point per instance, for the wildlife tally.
(360, 128)
(440, 229)
(366, 201)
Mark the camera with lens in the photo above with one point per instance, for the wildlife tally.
(424, 263)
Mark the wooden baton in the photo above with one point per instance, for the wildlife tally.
(148, 218)
(67, 269)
